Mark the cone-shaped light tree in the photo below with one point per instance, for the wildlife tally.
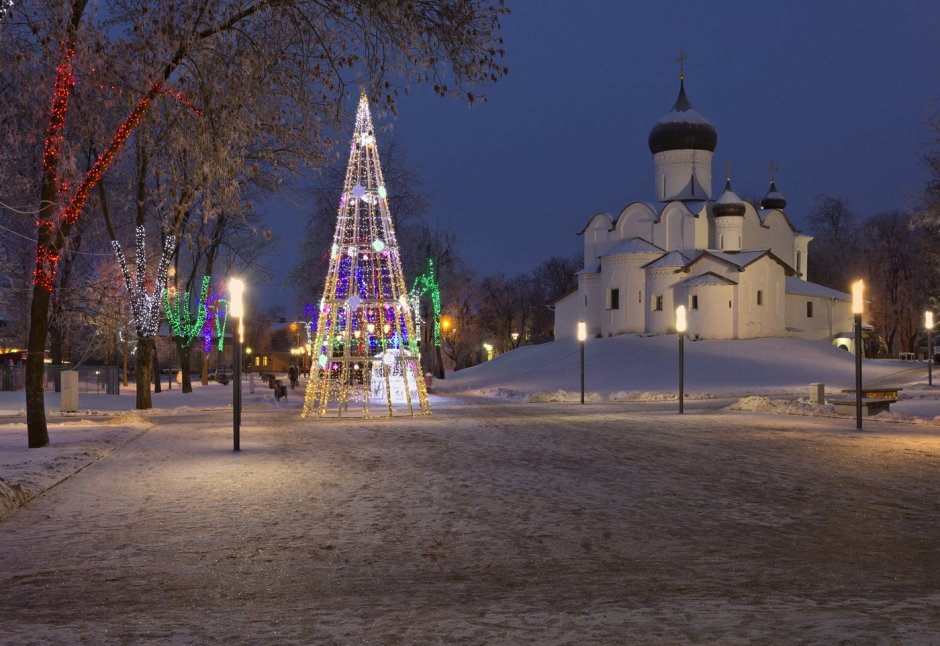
(364, 345)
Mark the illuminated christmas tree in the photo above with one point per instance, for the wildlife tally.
(365, 346)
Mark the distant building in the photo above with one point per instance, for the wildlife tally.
(739, 268)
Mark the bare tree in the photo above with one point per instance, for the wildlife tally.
(836, 250)
(308, 51)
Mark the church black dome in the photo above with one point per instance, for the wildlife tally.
(729, 204)
(774, 199)
(683, 128)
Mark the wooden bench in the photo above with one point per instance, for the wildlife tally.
(874, 400)
(886, 392)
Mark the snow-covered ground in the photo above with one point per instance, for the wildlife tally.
(503, 517)
(770, 375)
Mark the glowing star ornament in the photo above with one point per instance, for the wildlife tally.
(365, 336)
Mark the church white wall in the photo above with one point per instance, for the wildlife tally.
(682, 174)
(613, 276)
(778, 236)
(801, 254)
(761, 299)
(829, 317)
(596, 237)
(703, 229)
(568, 311)
(592, 302)
(661, 282)
(715, 316)
(675, 229)
(636, 221)
(752, 231)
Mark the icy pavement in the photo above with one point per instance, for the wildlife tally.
(486, 523)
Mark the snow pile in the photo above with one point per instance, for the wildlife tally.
(12, 495)
(761, 404)
(646, 368)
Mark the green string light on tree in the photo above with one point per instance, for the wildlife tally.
(427, 284)
(184, 326)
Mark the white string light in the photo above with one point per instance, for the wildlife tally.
(145, 306)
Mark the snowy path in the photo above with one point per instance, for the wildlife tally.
(487, 523)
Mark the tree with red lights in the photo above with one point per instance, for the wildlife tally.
(309, 52)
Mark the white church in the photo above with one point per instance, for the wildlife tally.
(739, 268)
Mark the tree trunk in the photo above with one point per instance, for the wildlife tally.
(157, 387)
(205, 367)
(438, 362)
(125, 360)
(145, 354)
(55, 337)
(37, 433)
(185, 354)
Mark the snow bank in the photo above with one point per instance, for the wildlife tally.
(646, 368)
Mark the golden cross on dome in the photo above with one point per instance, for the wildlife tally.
(681, 61)
(772, 169)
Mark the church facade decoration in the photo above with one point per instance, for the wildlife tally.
(739, 268)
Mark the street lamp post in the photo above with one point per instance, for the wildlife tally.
(928, 323)
(858, 288)
(236, 309)
(681, 326)
(582, 337)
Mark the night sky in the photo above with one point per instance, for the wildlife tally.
(837, 94)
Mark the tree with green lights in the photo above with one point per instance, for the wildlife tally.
(186, 324)
(427, 285)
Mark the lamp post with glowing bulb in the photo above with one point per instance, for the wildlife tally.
(928, 323)
(236, 290)
(858, 288)
(681, 326)
(582, 337)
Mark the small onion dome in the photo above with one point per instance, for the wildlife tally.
(773, 199)
(683, 128)
(728, 204)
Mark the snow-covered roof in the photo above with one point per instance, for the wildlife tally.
(671, 259)
(800, 287)
(708, 279)
(633, 245)
(729, 197)
(740, 259)
(610, 221)
(694, 206)
(684, 116)
(593, 269)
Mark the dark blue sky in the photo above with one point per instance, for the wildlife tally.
(836, 93)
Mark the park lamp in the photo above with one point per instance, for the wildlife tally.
(928, 323)
(236, 290)
(681, 323)
(582, 337)
(858, 288)
(236, 307)
(681, 326)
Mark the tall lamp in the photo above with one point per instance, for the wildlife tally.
(236, 290)
(928, 323)
(858, 288)
(681, 326)
(582, 337)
